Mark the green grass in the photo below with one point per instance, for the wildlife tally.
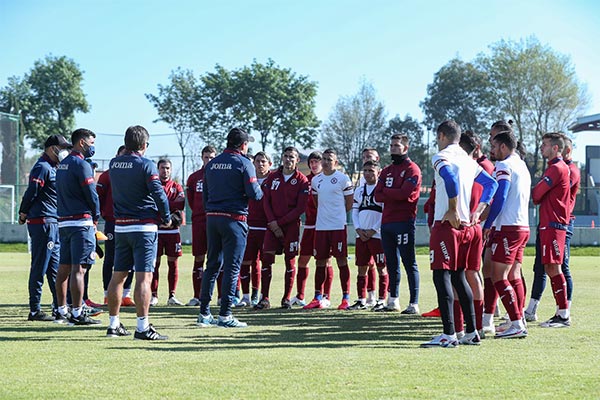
(292, 354)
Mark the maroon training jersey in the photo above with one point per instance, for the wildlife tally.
(477, 190)
(194, 195)
(399, 188)
(575, 182)
(552, 194)
(311, 207)
(175, 195)
(256, 211)
(105, 196)
(285, 201)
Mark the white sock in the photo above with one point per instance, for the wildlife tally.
(126, 292)
(569, 306)
(488, 319)
(518, 323)
(246, 297)
(564, 313)
(62, 310)
(394, 302)
(362, 301)
(76, 312)
(142, 324)
(106, 293)
(113, 321)
(532, 307)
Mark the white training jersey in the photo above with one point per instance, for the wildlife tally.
(366, 212)
(466, 170)
(515, 211)
(331, 204)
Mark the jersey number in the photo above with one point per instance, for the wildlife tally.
(274, 185)
(389, 181)
(403, 238)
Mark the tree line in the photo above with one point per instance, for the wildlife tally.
(525, 81)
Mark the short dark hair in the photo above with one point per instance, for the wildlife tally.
(81, 133)
(507, 139)
(330, 151)
(371, 163)
(209, 149)
(502, 126)
(315, 155)
(556, 139)
(450, 129)
(135, 137)
(262, 154)
(292, 148)
(120, 149)
(568, 142)
(368, 149)
(469, 141)
(164, 161)
(401, 137)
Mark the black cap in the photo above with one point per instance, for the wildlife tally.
(57, 140)
(237, 136)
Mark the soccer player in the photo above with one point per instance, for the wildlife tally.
(307, 244)
(140, 204)
(38, 210)
(399, 188)
(539, 277)
(455, 173)
(169, 240)
(366, 218)
(257, 226)
(78, 214)
(229, 182)
(509, 214)
(285, 195)
(104, 189)
(552, 193)
(194, 198)
(333, 194)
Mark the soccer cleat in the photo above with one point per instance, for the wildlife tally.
(514, 331)
(286, 304)
(230, 322)
(264, 304)
(314, 304)
(460, 334)
(343, 305)
(91, 304)
(489, 329)
(91, 311)
(206, 321)
(530, 317)
(435, 313)
(118, 331)
(40, 316)
(149, 334)
(443, 340)
(557, 322)
(83, 319)
(412, 309)
(62, 319)
(296, 301)
(154, 301)
(503, 326)
(472, 339)
(386, 308)
(358, 305)
(253, 300)
(481, 334)
(325, 303)
(173, 301)
(127, 302)
(379, 306)
(194, 302)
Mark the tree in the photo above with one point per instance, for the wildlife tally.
(267, 99)
(537, 88)
(418, 150)
(56, 94)
(14, 99)
(356, 122)
(460, 91)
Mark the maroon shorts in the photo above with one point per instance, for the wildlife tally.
(331, 243)
(552, 244)
(198, 238)
(288, 244)
(509, 243)
(169, 244)
(254, 244)
(445, 244)
(365, 252)
(474, 248)
(307, 245)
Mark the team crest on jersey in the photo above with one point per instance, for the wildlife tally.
(93, 255)
(173, 190)
(334, 180)
(110, 236)
(50, 245)
(294, 181)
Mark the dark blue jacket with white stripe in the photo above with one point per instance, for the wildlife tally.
(76, 189)
(39, 200)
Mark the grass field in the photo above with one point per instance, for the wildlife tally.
(293, 354)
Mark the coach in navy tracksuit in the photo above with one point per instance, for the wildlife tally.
(38, 209)
(229, 181)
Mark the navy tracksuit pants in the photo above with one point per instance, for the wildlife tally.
(45, 251)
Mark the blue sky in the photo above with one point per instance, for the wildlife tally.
(126, 48)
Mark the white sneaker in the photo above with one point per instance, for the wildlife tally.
(296, 301)
(489, 329)
(194, 302)
(460, 335)
(325, 303)
(412, 309)
(174, 302)
(513, 331)
(472, 339)
(153, 301)
(244, 302)
(503, 326)
(443, 340)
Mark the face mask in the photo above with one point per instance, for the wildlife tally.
(89, 153)
(62, 154)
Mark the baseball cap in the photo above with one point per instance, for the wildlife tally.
(237, 136)
(57, 140)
